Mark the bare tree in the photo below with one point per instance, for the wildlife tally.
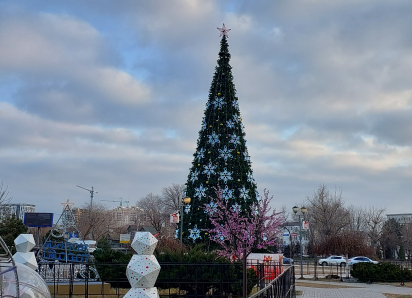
(172, 196)
(327, 211)
(327, 215)
(93, 221)
(374, 219)
(357, 219)
(4, 194)
(154, 210)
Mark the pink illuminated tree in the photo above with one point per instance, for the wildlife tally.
(236, 229)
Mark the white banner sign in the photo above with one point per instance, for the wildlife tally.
(305, 225)
(174, 218)
(124, 238)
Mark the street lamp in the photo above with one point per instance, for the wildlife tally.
(302, 213)
(185, 200)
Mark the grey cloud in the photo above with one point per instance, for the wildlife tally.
(323, 89)
(394, 128)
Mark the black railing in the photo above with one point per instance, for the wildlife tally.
(405, 264)
(283, 286)
(312, 270)
(175, 279)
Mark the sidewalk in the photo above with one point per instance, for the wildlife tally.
(347, 290)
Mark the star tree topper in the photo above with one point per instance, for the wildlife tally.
(67, 203)
(224, 31)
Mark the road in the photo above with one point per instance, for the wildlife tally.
(321, 289)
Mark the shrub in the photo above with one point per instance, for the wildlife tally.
(197, 272)
(115, 272)
(382, 272)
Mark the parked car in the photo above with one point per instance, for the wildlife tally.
(333, 260)
(355, 260)
(287, 261)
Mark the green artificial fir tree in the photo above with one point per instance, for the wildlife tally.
(10, 229)
(221, 158)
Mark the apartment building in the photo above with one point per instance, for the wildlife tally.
(18, 210)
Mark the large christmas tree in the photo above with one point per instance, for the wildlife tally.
(221, 158)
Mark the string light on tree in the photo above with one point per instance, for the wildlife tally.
(218, 159)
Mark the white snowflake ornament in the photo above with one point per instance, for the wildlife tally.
(195, 234)
(144, 243)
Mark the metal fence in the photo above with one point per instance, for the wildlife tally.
(404, 264)
(283, 286)
(312, 270)
(175, 280)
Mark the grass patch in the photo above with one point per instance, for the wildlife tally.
(397, 284)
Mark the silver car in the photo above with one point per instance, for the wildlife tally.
(355, 260)
(333, 260)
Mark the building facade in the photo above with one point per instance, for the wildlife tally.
(401, 218)
(291, 235)
(18, 210)
(126, 216)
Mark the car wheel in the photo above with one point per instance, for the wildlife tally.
(324, 263)
(343, 264)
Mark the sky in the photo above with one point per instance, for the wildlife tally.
(111, 94)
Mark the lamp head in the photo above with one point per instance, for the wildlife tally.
(295, 209)
(303, 210)
(186, 200)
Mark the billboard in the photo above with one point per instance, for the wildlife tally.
(34, 219)
(124, 238)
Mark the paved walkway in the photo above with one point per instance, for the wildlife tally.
(356, 290)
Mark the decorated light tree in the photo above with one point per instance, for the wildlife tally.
(221, 158)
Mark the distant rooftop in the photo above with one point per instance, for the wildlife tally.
(399, 214)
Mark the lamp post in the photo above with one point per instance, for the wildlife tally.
(301, 214)
(185, 200)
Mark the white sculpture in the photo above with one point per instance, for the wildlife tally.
(142, 293)
(26, 258)
(143, 269)
(144, 243)
(24, 243)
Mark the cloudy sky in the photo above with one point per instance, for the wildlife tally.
(111, 94)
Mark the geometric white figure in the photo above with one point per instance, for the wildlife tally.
(26, 258)
(142, 271)
(144, 243)
(142, 293)
(24, 242)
